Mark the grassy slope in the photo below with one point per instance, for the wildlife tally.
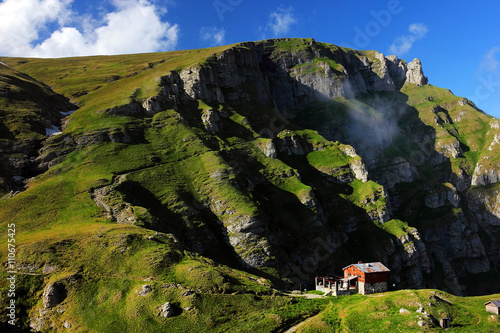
(381, 313)
(59, 224)
(21, 102)
(468, 125)
(67, 230)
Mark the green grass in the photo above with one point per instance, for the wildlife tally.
(317, 65)
(208, 312)
(368, 196)
(282, 175)
(70, 76)
(396, 227)
(97, 92)
(292, 44)
(329, 157)
(472, 131)
(381, 313)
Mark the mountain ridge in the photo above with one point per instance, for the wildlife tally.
(243, 154)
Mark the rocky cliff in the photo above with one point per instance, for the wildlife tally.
(30, 111)
(291, 78)
(290, 158)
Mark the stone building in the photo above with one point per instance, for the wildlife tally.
(362, 278)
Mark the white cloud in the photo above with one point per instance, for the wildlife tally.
(490, 63)
(419, 30)
(135, 26)
(213, 35)
(404, 43)
(281, 20)
(21, 21)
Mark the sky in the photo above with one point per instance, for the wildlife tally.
(457, 41)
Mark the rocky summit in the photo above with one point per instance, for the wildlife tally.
(222, 175)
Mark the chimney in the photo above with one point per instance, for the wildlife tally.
(360, 262)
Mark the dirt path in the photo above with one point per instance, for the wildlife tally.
(302, 323)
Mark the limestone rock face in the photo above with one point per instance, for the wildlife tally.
(359, 169)
(415, 74)
(398, 171)
(409, 259)
(54, 294)
(381, 68)
(357, 166)
(21, 137)
(320, 82)
(103, 197)
(211, 120)
(243, 231)
(293, 145)
(170, 96)
(397, 70)
(457, 241)
(285, 80)
(441, 198)
(485, 175)
(268, 148)
(485, 204)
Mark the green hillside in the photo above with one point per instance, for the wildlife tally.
(404, 311)
(197, 178)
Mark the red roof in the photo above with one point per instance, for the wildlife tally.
(370, 267)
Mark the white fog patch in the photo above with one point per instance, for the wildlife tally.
(372, 130)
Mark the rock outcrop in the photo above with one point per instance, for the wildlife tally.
(22, 133)
(415, 74)
(409, 260)
(485, 175)
(167, 310)
(211, 120)
(54, 294)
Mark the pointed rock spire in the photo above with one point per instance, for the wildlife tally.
(415, 74)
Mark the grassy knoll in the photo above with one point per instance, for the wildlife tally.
(402, 311)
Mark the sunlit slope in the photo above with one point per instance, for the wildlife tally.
(234, 194)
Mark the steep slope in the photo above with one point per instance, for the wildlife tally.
(282, 158)
(29, 110)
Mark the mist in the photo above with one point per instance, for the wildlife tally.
(372, 128)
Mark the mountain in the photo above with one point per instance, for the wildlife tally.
(186, 176)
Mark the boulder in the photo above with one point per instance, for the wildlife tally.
(404, 311)
(145, 290)
(167, 310)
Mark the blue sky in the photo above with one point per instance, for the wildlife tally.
(457, 41)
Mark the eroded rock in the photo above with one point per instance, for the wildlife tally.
(415, 74)
(167, 310)
(53, 294)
